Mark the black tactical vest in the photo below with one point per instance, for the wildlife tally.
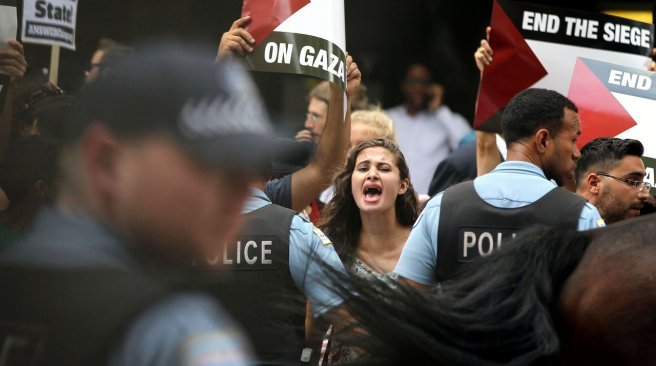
(253, 282)
(470, 228)
(68, 317)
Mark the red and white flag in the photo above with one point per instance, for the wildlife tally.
(538, 46)
(298, 36)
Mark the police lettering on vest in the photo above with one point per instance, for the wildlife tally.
(256, 251)
(252, 279)
(474, 228)
(475, 242)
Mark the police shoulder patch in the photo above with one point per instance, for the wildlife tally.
(601, 223)
(324, 239)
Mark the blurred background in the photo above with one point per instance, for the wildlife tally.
(383, 36)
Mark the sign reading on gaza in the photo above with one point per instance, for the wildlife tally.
(49, 22)
(299, 37)
(538, 46)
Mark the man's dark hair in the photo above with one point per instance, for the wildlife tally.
(29, 160)
(113, 51)
(532, 110)
(604, 153)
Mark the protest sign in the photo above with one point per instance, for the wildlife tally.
(49, 22)
(298, 36)
(616, 101)
(537, 46)
(8, 27)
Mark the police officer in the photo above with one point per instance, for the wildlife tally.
(148, 171)
(610, 174)
(540, 128)
(277, 262)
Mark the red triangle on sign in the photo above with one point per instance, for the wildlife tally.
(515, 67)
(267, 15)
(600, 112)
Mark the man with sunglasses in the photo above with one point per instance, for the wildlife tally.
(426, 129)
(610, 175)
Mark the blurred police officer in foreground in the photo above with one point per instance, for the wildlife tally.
(264, 277)
(540, 128)
(150, 179)
(275, 264)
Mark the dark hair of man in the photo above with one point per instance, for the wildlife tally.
(29, 160)
(320, 92)
(341, 217)
(532, 110)
(603, 154)
(113, 51)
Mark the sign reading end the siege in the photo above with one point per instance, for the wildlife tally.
(50, 22)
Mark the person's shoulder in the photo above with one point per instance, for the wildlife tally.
(435, 202)
(278, 183)
(306, 229)
(431, 211)
(395, 111)
(301, 224)
(182, 325)
(279, 191)
(192, 312)
(445, 112)
(589, 210)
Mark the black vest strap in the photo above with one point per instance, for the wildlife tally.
(253, 281)
(470, 228)
(68, 317)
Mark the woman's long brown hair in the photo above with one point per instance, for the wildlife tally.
(341, 216)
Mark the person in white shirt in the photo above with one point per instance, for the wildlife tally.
(426, 130)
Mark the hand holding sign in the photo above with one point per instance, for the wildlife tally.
(12, 60)
(484, 53)
(236, 41)
(353, 76)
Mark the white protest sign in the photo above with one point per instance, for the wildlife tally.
(8, 21)
(8, 27)
(538, 46)
(50, 22)
(298, 36)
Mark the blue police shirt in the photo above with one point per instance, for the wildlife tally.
(181, 329)
(512, 184)
(308, 254)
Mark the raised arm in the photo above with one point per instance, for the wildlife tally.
(487, 152)
(236, 41)
(330, 155)
(12, 63)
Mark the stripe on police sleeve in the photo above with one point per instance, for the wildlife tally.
(324, 239)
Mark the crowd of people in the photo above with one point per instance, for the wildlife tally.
(142, 225)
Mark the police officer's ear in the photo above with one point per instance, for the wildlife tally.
(100, 152)
(542, 140)
(593, 183)
(403, 187)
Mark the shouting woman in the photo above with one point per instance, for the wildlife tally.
(373, 210)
